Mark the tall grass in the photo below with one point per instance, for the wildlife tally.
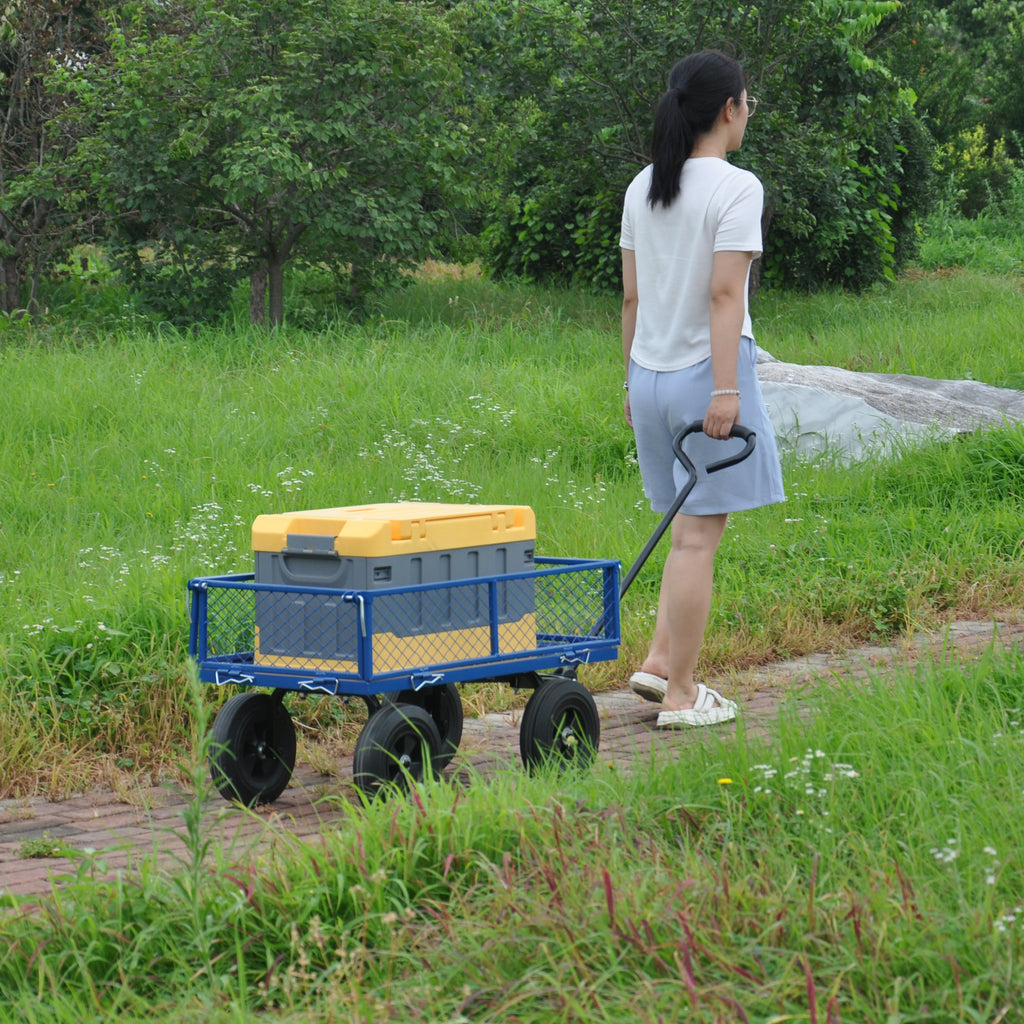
(133, 459)
(862, 864)
(989, 243)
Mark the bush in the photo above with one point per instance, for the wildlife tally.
(974, 170)
(991, 242)
(838, 146)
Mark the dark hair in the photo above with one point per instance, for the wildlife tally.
(698, 87)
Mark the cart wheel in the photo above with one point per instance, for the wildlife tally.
(398, 743)
(444, 705)
(252, 750)
(560, 724)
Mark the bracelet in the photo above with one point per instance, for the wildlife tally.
(725, 391)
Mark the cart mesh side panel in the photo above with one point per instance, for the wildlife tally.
(298, 628)
(570, 606)
(362, 634)
(431, 625)
(230, 623)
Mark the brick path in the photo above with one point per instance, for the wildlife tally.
(148, 823)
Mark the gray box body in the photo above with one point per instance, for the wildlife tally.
(433, 626)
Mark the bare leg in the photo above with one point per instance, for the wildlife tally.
(684, 605)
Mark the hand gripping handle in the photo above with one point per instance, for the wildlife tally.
(696, 427)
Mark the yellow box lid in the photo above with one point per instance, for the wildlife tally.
(397, 528)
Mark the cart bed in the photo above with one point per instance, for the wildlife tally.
(565, 613)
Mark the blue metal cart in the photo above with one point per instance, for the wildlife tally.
(529, 629)
(415, 715)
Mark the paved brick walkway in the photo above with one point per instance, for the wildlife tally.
(150, 824)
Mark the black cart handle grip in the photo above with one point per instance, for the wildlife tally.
(748, 435)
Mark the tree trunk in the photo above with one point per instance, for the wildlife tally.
(271, 278)
(33, 293)
(10, 285)
(276, 269)
(258, 295)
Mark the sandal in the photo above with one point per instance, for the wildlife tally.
(649, 686)
(710, 708)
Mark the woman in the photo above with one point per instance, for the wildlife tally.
(691, 227)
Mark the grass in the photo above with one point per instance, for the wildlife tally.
(931, 323)
(854, 865)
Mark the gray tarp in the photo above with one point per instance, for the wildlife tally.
(824, 408)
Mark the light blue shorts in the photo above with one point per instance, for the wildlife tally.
(662, 403)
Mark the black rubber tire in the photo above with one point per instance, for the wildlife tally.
(252, 749)
(444, 705)
(398, 743)
(560, 726)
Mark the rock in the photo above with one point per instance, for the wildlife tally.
(815, 409)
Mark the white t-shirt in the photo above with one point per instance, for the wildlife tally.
(718, 210)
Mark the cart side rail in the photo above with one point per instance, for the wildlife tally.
(369, 641)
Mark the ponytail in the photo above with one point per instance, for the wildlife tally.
(671, 145)
(698, 87)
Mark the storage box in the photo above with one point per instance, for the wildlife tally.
(375, 548)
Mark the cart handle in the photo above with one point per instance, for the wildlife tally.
(696, 426)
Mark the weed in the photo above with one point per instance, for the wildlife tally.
(46, 846)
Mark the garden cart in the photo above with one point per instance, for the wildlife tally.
(426, 603)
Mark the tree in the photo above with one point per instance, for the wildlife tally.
(35, 34)
(234, 137)
(963, 58)
(989, 36)
(834, 139)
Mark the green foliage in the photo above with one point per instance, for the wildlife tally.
(974, 169)
(991, 32)
(962, 58)
(341, 148)
(212, 143)
(46, 846)
(179, 282)
(990, 243)
(920, 47)
(836, 141)
(36, 229)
